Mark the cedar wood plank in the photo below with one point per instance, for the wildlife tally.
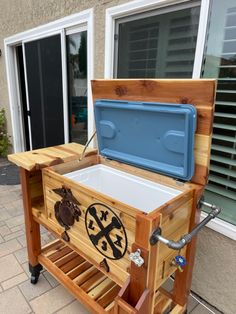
(49, 156)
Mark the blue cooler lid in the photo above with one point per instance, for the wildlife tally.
(154, 136)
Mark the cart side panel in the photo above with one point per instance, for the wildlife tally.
(78, 232)
(183, 280)
(175, 223)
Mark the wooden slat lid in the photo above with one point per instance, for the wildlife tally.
(40, 158)
(200, 93)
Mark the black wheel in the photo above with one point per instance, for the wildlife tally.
(34, 279)
(35, 272)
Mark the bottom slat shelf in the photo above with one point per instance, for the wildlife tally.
(94, 289)
(164, 303)
(89, 285)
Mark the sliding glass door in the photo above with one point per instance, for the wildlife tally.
(54, 69)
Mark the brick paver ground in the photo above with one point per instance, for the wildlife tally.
(17, 294)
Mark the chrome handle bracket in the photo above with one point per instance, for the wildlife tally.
(178, 245)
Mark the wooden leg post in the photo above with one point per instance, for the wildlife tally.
(139, 292)
(32, 228)
(183, 280)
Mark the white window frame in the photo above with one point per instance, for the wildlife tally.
(141, 6)
(83, 18)
(161, 10)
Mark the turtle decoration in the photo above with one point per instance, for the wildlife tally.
(67, 210)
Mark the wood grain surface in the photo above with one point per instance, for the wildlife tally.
(92, 288)
(49, 156)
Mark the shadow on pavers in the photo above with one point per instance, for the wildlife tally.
(9, 173)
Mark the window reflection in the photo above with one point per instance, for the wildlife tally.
(77, 86)
(220, 63)
(160, 45)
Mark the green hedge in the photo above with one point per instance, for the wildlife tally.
(4, 138)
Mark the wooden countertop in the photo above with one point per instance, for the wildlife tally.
(44, 157)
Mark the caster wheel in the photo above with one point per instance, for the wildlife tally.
(35, 272)
(34, 279)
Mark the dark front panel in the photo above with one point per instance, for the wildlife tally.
(44, 77)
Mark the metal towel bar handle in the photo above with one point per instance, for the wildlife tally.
(177, 245)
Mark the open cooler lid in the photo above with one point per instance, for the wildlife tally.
(154, 136)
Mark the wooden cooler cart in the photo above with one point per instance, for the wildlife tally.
(113, 217)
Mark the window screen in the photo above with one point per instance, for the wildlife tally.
(220, 63)
(159, 45)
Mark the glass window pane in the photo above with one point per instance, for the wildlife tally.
(77, 86)
(220, 63)
(159, 45)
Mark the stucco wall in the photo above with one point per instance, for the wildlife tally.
(215, 269)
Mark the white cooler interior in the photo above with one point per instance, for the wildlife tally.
(140, 193)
